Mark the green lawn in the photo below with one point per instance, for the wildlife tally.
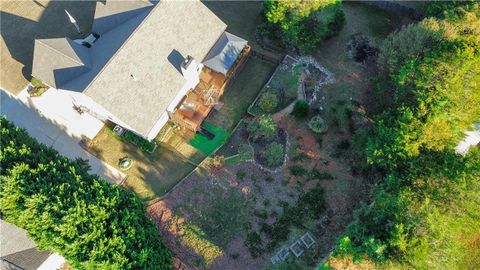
(152, 175)
(204, 144)
(241, 92)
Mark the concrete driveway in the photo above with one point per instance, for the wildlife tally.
(61, 131)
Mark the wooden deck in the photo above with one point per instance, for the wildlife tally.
(200, 101)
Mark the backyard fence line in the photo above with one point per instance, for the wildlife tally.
(271, 57)
(267, 83)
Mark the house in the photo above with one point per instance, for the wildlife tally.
(144, 64)
(19, 252)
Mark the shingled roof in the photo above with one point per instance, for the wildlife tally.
(18, 249)
(222, 56)
(133, 73)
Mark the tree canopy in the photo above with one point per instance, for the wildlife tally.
(303, 24)
(424, 212)
(91, 223)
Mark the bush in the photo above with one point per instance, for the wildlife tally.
(308, 206)
(274, 154)
(268, 102)
(216, 162)
(91, 223)
(317, 124)
(297, 170)
(300, 109)
(144, 145)
(241, 174)
(254, 244)
(263, 128)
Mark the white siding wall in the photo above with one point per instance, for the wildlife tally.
(82, 99)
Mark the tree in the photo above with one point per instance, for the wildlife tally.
(91, 223)
(424, 213)
(303, 24)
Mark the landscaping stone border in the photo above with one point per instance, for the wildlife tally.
(279, 67)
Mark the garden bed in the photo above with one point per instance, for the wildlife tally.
(260, 147)
(280, 90)
(316, 76)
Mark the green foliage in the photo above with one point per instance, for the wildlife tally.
(297, 170)
(308, 206)
(144, 145)
(317, 124)
(394, 51)
(262, 128)
(274, 154)
(91, 223)
(36, 82)
(254, 244)
(424, 212)
(303, 24)
(268, 102)
(241, 174)
(300, 109)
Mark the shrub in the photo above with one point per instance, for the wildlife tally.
(262, 128)
(269, 178)
(91, 223)
(241, 174)
(315, 174)
(274, 154)
(216, 162)
(317, 124)
(297, 170)
(300, 109)
(254, 244)
(308, 206)
(263, 214)
(144, 145)
(268, 102)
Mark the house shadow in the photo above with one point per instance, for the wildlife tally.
(176, 59)
(19, 33)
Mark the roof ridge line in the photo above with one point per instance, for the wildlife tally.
(123, 44)
(54, 49)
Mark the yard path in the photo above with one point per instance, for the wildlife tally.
(300, 96)
(53, 131)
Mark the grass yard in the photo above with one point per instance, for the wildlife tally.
(152, 175)
(241, 92)
(283, 85)
(204, 144)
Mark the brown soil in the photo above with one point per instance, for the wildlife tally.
(342, 195)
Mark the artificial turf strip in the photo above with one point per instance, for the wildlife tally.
(205, 145)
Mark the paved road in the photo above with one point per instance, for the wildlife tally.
(53, 132)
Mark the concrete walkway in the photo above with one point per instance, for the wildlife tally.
(52, 129)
